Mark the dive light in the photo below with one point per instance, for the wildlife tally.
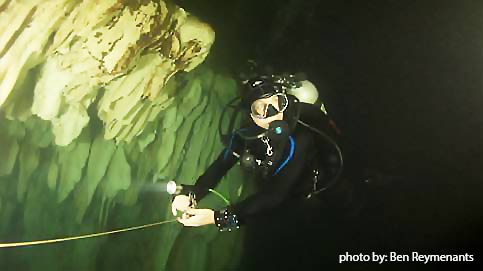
(175, 189)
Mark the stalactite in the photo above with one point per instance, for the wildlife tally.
(92, 106)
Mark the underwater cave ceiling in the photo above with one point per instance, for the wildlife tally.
(90, 108)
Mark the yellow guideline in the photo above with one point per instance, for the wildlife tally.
(31, 243)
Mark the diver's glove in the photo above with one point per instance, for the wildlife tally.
(183, 203)
(199, 192)
(183, 198)
(226, 220)
(188, 190)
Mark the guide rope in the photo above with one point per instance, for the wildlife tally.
(49, 241)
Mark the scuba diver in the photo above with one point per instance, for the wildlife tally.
(290, 144)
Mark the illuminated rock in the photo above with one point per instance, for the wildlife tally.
(96, 98)
(122, 53)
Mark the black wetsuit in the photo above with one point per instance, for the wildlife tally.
(290, 176)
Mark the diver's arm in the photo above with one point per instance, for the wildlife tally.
(212, 176)
(270, 196)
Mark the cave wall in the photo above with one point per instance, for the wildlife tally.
(98, 100)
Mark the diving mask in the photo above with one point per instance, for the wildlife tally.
(269, 106)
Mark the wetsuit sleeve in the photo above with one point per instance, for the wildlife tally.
(280, 186)
(212, 176)
(225, 161)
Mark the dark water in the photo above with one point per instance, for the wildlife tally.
(404, 80)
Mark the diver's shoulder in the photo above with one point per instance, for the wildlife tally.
(303, 133)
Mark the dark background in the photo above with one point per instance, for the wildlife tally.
(404, 81)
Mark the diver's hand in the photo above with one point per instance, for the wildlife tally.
(181, 203)
(197, 217)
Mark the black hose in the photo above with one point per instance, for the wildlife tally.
(339, 153)
(224, 138)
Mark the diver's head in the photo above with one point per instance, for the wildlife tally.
(266, 99)
(265, 110)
